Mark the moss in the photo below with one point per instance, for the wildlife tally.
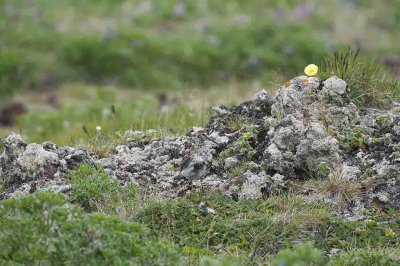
(383, 121)
(323, 170)
(353, 138)
(236, 171)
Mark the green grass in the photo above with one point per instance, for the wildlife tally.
(283, 228)
(115, 42)
(250, 230)
(83, 108)
(100, 45)
(360, 257)
(76, 122)
(269, 232)
(93, 189)
(369, 84)
(113, 62)
(112, 43)
(41, 229)
(301, 255)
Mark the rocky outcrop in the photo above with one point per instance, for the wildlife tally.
(308, 129)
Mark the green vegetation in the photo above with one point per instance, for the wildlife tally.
(106, 43)
(369, 83)
(100, 107)
(139, 60)
(239, 233)
(41, 229)
(347, 235)
(242, 148)
(49, 230)
(387, 257)
(146, 44)
(95, 191)
(352, 138)
(301, 255)
(88, 71)
(143, 46)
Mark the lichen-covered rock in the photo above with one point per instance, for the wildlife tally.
(255, 149)
(318, 152)
(247, 186)
(334, 91)
(25, 168)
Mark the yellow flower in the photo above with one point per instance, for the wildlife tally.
(389, 232)
(311, 70)
(246, 136)
(287, 84)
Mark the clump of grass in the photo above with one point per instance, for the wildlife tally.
(343, 191)
(234, 124)
(94, 190)
(369, 83)
(296, 214)
(338, 187)
(98, 142)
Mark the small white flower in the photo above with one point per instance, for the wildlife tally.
(98, 128)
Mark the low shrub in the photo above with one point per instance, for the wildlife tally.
(300, 255)
(41, 229)
(140, 59)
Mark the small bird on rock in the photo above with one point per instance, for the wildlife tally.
(198, 161)
(196, 164)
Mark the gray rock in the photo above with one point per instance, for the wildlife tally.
(25, 168)
(308, 128)
(350, 172)
(318, 151)
(247, 186)
(334, 91)
(231, 162)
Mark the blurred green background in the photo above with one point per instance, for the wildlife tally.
(69, 66)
